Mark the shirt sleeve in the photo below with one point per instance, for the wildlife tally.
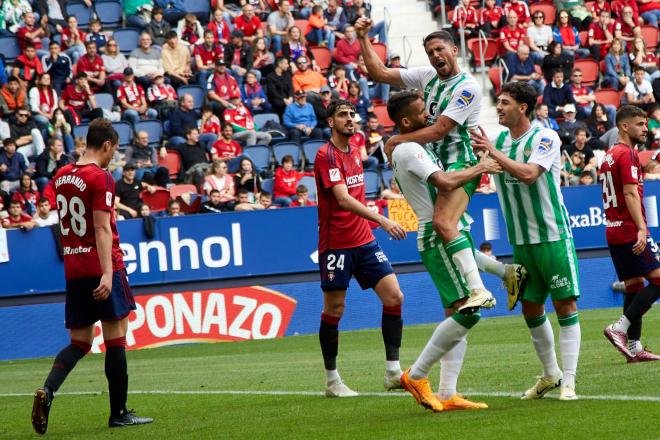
(545, 149)
(104, 192)
(412, 158)
(627, 168)
(417, 78)
(331, 173)
(465, 104)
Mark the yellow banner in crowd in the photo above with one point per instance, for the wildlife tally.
(401, 212)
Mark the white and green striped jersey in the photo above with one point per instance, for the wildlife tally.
(534, 213)
(458, 98)
(413, 165)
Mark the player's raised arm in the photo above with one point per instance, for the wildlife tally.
(375, 67)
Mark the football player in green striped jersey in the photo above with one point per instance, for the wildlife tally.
(539, 231)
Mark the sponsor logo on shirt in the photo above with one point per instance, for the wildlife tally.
(335, 176)
(466, 97)
(616, 224)
(355, 180)
(68, 250)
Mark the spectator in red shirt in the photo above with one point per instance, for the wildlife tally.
(286, 179)
(249, 23)
(92, 64)
(467, 16)
(511, 35)
(72, 39)
(219, 27)
(626, 27)
(27, 195)
(17, 218)
(598, 6)
(601, 34)
(522, 11)
(243, 123)
(27, 67)
(220, 87)
(162, 97)
(78, 101)
(302, 198)
(348, 50)
(226, 148)
(205, 56)
(210, 123)
(491, 18)
(32, 33)
(618, 7)
(133, 101)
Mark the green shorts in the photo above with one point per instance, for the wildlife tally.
(551, 268)
(473, 184)
(445, 275)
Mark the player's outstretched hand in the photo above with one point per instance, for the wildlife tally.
(640, 244)
(362, 27)
(490, 166)
(102, 292)
(394, 229)
(479, 141)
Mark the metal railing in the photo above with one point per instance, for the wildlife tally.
(407, 50)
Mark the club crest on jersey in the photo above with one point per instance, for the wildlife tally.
(465, 98)
(544, 145)
(331, 275)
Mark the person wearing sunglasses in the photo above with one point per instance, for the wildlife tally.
(539, 37)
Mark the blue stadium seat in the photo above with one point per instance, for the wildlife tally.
(371, 183)
(104, 100)
(310, 183)
(260, 156)
(261, 119)
(9, 48)
(197, 92)
(125, 132)
(80, 131)
(201, 9)
(310, 148)
(154, 128)
(387, 174)
(267, 185)
(283, 148)
(109, 12)
(82, 13)
(127, 39)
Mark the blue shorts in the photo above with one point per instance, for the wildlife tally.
(628, 265)
(82, 310)
(367, 263)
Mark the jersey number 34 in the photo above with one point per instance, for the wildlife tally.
(609, 195)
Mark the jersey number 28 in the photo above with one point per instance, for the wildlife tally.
(76, 209)
(609, 196)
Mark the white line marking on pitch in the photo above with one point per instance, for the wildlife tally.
(316, 393)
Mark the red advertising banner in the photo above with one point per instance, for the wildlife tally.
(220, 315)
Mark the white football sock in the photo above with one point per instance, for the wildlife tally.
(544, 344)
(445, 336)
(489, 264)
(635, 347)
(394, 366)
(569, 347)
(331, 375)
(621, 325)
(467, 266)
(450, 368)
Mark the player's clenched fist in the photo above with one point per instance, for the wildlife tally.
(362, 26)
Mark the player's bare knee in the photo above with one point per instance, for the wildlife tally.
(564, 307)
(532, 310)
(394, 298)
(444, 229)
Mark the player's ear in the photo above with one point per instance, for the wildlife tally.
(331, 123)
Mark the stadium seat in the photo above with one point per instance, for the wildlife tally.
(548, 9)
(608, 97)
(260, 156)
(302, 24)
(650, 36)
(109, 12)
(387, 175)
(9, 48)
(82, 13)
(200, 8)
(197, 92)
(283, 148)
(381, 51)
(125, 131)
(371, 183)
(154, 129)
(172, 162)
(310, 148)
(262, 118)
(584, 38)
(383, 117)
(310, 183)
(589, 69)
(181, 189)
(323, 58)
(487, 47)
(104, 100)
(127, 39)
(645, 157)
(267, 185)
(80, 131)
(495, 76)
(157, 201)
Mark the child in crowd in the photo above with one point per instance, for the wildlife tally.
(210, 123)
(302, 197)
(96, 35)
(573, 168)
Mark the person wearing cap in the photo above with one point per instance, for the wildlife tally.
(279, 86)
(145, 61)
(306, 79)
(557, 94)
(243, 123)
(132, 99)
(300, 120)
(570, 124)
(92, 64)
(176, 60)
(238, 55)
(161, 96)
(279, 23)
(220, 87)
(320, 110)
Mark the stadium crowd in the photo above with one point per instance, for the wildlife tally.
(220, 104)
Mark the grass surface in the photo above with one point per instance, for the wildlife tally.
(500, 359)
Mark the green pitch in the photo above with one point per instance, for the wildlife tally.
(618, 400)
